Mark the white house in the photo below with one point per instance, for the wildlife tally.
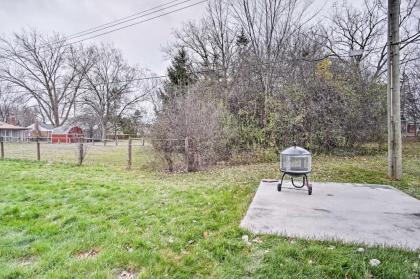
(9, 132)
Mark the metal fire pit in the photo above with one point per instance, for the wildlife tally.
(296, 162)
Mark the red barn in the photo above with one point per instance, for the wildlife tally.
(67, 134)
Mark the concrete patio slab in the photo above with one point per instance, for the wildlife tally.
(353, 213)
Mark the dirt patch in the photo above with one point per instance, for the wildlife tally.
(88, 254)
(126, 274)
(26, 261)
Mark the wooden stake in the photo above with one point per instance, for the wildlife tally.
(187, 153)
(80, 159)
(129, 153)
(38, 150)
(2, 148)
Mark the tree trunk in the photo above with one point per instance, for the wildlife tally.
(168, 159)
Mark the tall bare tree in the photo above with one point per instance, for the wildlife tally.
(8, 101)
(211, 41)
(48, 68)
(269, 25)
(113, 87)
(410, 93)
(364, 30)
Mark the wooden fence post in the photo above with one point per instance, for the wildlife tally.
(143, 142)
(38, 150)
(129, 152)
(2, 148)
(187, 153)
(81, 155)
(190, 154)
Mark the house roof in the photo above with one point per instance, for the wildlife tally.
(6, 126)
(43, 127)
(63, 129)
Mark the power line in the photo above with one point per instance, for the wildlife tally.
(139, 22)
(166, 76)
(112, 82)
(155, 77)
(110, 25)
(117, 23)
(120, 19)
(115, 82)
(81, 87)
(120, 28)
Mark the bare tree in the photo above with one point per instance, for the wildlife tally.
(8, 101)
(410, 93)
(269, 25)
(48, 68)
(211, 42)
(113, 87)
(364, 30)
(286, 76)
(192, 117)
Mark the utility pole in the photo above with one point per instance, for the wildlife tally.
(393, 90)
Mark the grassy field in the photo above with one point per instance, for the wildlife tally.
(96, 154)
(102, 221)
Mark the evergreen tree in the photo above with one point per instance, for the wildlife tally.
(180, 76)
(179, 72)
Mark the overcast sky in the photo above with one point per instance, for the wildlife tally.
(141, 44)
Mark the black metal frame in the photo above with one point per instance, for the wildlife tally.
(305, 182)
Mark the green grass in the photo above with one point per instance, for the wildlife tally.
(174, 225)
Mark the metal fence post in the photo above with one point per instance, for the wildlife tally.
(129, 152)
(38, 150)
(143, 142)
(2, 148)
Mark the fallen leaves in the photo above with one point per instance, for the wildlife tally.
(88, 254)
(257, 240)
(127, 274)
(26, 261)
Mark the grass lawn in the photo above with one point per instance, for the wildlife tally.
(99, 220)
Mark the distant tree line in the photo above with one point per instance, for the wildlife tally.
(265, 73)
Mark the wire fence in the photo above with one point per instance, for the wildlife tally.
(131, 153)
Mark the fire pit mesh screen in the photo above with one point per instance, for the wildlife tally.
(296, 160)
